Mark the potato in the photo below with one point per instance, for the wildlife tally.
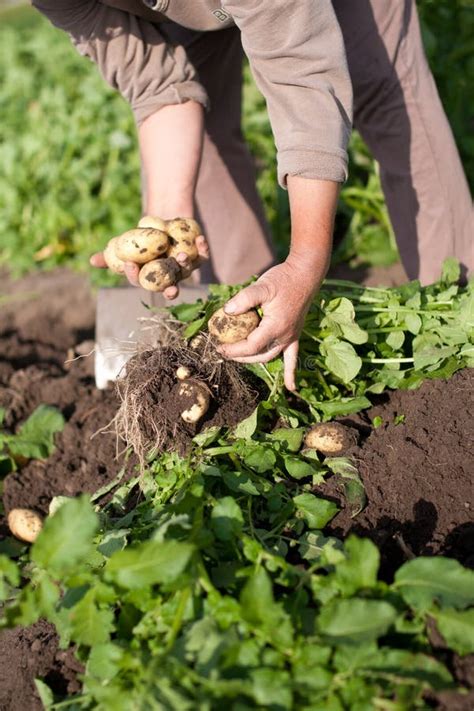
(25, 524)
(115, 264)
(182, 235)
(141, 245)
(158, 274)
(331, 438)
(196, 398)
(155, 223)
(183, 372)
(229, 328)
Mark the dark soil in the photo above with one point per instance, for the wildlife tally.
(417, 473)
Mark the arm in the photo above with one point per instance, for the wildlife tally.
(285, 291)
(297, 57)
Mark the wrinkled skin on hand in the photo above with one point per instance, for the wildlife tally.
(284, 294)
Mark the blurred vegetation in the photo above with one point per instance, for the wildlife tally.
(69, 166)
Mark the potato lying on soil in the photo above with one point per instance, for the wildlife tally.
(229, 328)
(182, 236)
(183, 372)
(25, 524)
(156, 223)
(115, 264)
(196, 399)
(331, 438)
(141, 245)
(158, 274)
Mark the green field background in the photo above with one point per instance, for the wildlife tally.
(69, 166)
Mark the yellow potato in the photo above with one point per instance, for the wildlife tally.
(331, 439)
(115, 264)
(196, 398)
(141, 245)
(158, 274)
(183, 372)
(227, 328)
(25, 524)
(183, 227)
(155, 223)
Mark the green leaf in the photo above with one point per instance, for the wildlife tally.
(45, 694)
(66, 538)
(342, 406)
(9, 573)
(35, 439)
(340, 358)
(87, 623)
(271, 688)
(246, 428)
(354, 489)
(340, 319)
(425, 580)
(354, 621)
(451, 272)
(293, 438)
(227, 519)
(457, 628)
(240, 482)
(187, 312)
(317, 512)
(149, 563)
(104, 661)
(359, 570)
(395, 340)
(427, 350)
(260, 458)
(298, 468)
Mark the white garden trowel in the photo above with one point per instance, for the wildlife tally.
(124, 321)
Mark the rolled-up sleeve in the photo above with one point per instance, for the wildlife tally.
(130, 52)
(297, 56)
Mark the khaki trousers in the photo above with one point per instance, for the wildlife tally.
(396, 109)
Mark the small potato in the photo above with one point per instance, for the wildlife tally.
(183, 372)
(158, 274)
(141, 245)
(183, 227)
(25, 524)
(227, 328)
(331, 438)
(196, 398)
(156, 223)
(115, 264)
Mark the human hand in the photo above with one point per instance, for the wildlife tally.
(284, 294)
(132, 269)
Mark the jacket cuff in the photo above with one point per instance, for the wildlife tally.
(174, 94)
(314, 164)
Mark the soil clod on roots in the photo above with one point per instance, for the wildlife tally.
(149, 418)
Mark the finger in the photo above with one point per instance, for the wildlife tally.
(183, 260)
(290, 359)
(97, 260)
(171, 292)
(202, 247)
(248, 298)
(262, 357)
(258, 342)
(131, 272)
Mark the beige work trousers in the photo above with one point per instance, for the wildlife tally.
(396, 109)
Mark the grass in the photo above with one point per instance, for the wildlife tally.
(69, 166)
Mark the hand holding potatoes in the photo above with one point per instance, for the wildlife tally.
(157, 254)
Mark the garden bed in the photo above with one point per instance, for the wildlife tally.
(416, 465)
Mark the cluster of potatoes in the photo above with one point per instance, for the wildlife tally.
(154, 246)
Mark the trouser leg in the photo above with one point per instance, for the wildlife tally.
(226, 195)
(398, 112)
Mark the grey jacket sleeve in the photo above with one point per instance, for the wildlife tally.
(130, 52)
(297, 56)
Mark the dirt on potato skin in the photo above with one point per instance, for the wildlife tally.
(36, 337)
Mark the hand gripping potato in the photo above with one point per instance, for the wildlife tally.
(141, 245)
(331, 439)
(230, 328)
(156, 223)
(182, 236)
(159, 274)
(195, 397)
(25, 524)
(115, 264)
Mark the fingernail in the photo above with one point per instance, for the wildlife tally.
(229, 308)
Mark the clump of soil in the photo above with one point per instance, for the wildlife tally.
(417, 471)
(33, 652)
(149, 418)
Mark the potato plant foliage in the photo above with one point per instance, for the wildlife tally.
(221, 586)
